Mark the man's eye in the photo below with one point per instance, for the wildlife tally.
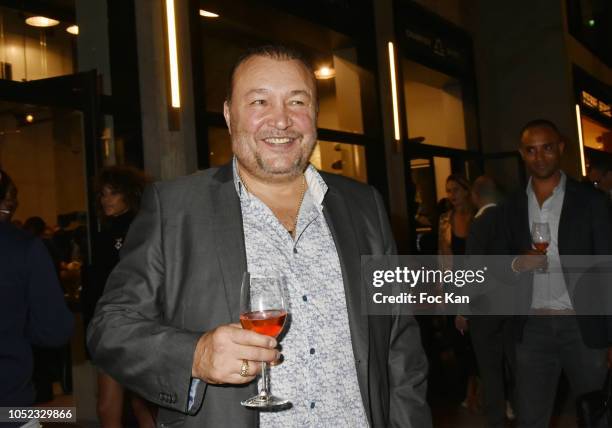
(258, 102)
(297, 102)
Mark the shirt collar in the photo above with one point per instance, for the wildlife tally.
(558, 189)
(316, 185)
(483, 208)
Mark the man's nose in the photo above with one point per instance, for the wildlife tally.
(539, 154)
(280, 117)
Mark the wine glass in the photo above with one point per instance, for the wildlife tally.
(263, 310)
(540, 235)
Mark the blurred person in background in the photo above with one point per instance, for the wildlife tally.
(453, 230)
(119, 191)
(32, 307)
(600, 175)
(9, 202)
(49, 363)
(491, 335)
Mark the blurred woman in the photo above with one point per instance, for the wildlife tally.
(8, 203)
(455, 224)
(453, 232)
(119, 192)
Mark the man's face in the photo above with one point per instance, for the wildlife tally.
(541, 149)
(272, 118)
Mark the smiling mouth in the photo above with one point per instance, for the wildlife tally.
(278, 141)
(5, 211)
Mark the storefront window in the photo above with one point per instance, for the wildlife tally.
(28, 52)
(342, 159)
(595, 135)
(434, 106)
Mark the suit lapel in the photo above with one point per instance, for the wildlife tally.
(344, 234)
(523, 227)
(570, 211)
(229, 236)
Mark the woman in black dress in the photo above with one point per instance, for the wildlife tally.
(119, 192)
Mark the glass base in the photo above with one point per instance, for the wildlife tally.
(265, 401)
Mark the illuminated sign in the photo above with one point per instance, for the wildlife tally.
(594, 103)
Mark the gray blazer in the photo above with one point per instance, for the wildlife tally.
(180, 275)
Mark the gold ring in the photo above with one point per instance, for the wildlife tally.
(244, 369)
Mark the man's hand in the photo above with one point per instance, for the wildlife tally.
(530, 261)
(219, 354)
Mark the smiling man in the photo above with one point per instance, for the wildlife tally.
(552, 338)
(166, 326)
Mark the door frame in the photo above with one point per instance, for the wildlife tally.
(78, 92)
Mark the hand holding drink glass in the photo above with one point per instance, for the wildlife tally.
(540, 235)
(263, 310)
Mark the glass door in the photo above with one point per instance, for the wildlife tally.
(426, 184)
(48, 136)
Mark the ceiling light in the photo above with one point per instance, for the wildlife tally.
(325, 73)
(29, 118)
(41, 21)
(73, 29)
(207, 14)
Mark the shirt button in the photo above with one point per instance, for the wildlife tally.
(312, 405)
(304, 298)
(312, 351)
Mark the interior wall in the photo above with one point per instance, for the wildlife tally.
(523, 74)
(34, 53)
(434, 106)
(46, 165)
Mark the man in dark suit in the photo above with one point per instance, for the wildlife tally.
(491, 334)
(165, 326)
(550, 335)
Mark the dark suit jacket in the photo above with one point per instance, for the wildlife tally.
(584, 229)
(180, 275)
(482, 232)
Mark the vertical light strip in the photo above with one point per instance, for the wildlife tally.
(173, 54)
(579, 123)
(396, 125)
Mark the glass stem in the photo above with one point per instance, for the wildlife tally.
(264, 380)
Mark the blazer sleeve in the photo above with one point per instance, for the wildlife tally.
(50, 322)
(128, 336)
(601, 226)
(407, 361)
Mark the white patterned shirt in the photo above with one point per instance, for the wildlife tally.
(318, 373)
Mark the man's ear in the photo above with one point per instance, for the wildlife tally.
(561, 146)
(226, 115)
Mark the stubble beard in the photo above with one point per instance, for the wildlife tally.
(253, 161)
